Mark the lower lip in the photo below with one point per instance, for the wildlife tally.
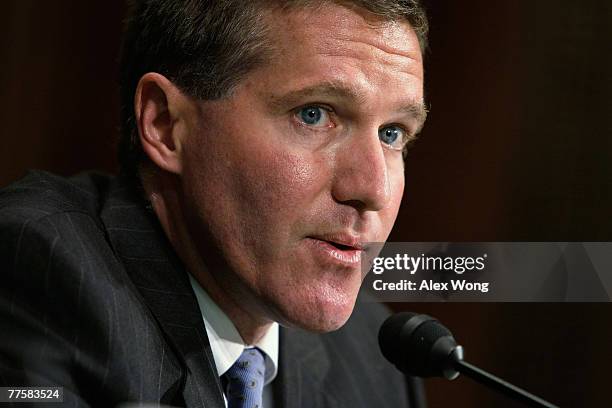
(346, 257)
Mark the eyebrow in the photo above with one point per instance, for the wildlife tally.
(418, 111)
(332, 89)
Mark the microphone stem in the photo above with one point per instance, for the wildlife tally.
(500, 385)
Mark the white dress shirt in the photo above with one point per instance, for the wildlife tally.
(227, 345)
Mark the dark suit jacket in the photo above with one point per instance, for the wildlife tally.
(94, 299)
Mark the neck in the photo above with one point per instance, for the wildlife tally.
(163, 191)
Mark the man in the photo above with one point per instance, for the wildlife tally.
(262, 152)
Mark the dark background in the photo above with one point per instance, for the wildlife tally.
(518, 147)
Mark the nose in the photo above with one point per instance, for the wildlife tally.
(361, 173)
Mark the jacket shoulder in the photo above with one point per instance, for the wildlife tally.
(41, 194)
(50, 234)
(70, 313)
(47, 220)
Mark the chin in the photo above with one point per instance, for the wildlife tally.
(321, 312)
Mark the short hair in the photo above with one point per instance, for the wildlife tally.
(206, 47)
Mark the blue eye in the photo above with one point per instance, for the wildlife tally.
(312, 115)
(392, 135)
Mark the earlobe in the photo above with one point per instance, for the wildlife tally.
(156, 120)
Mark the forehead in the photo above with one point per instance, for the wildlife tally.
(331, 24)
(332, 43)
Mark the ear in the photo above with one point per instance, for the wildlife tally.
(158, 105)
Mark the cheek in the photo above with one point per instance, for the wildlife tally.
(278, 191)
(249, 185)
(397, 188)
(279, 186)
(389, 214)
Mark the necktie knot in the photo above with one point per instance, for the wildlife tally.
(245, 380)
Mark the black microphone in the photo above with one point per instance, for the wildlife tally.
(419, 345)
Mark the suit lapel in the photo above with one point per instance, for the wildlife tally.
(161, 279)
(304, 366)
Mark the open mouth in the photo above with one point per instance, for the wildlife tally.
(339, 242)
(335, 252)
(341, 246)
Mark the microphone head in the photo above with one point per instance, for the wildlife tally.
(419, 345)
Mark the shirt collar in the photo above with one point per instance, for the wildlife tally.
(226, 343)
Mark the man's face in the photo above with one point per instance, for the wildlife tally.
(288, 178)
